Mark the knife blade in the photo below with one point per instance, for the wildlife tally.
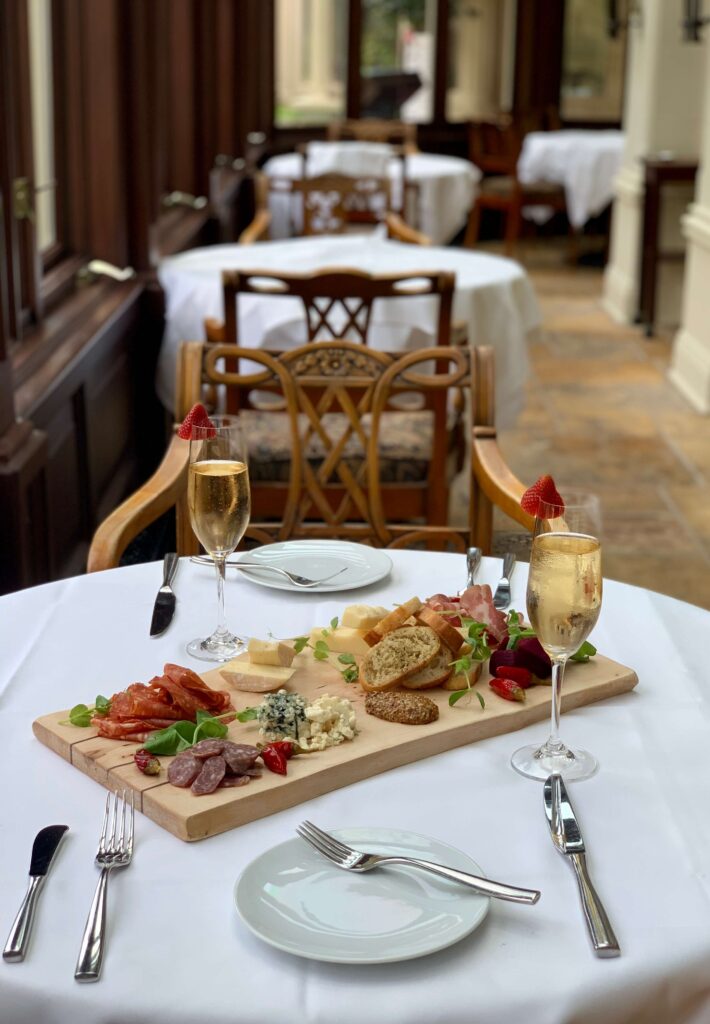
(164, 607)
(44, 848)
(567, 837)
(501, 598)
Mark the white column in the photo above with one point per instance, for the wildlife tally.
(690, 365)
(662, 111)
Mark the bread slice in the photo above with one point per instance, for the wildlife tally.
(393, 621)
(446, 632)
(399, 654)
(458, 682)
(436, 674)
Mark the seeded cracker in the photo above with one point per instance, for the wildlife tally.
(405, 708)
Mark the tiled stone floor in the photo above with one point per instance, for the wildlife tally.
(601, 414)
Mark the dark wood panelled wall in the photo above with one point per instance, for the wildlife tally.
(146, 94)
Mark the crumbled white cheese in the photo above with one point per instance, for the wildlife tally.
(324, 723)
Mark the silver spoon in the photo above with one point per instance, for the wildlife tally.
(247, 567)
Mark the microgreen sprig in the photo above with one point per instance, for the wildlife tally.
(321, 650)
(81, 715)
(516, 629)
(477, 638)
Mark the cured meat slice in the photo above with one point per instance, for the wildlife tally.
(254, 773)
(205, 698)
(184, 770)
(135, 729)
(213, 771)
(477, 603)
(236, 780)
(239, 756)
(207, 748)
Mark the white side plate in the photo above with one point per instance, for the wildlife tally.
(294, 899)
(316, 559)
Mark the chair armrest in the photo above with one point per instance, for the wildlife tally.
(399, 230)
(459, 333)
(258, 230)
(214, 331)
(143, 507)
(495, 478)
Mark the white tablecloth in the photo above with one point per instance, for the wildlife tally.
(585, 162)
(178, 953)
(494, 297)
(446, 185)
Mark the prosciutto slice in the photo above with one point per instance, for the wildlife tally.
(474, 603)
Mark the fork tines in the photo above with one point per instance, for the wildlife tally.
(112, 843)
(323, 841)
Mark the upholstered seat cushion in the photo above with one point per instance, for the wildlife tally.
(405, 444)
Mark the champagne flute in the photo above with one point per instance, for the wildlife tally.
(564, 599)
(219, 503)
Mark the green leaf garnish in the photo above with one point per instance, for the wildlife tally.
(516, 630)
(350, 675)
(347, 659)
(103, 705)
(585, 652)
(80, 715)
(299, 643)
(247, 715)
(334, 622)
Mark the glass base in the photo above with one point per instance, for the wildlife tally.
(539, 763)
(222, 648)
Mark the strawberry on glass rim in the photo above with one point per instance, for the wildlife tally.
(540, 499)
(197, 417)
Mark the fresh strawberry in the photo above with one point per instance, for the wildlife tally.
(197, 417)
(508, 689)
(542, 491)
(522, 676)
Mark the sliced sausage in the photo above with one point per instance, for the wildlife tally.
(213, 771)
(239, 756)
(207, 748)
(235, 780)
(184, 770)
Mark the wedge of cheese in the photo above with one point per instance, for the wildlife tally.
(363, 616)
(270, 652)
(242, 675)
(343, 640)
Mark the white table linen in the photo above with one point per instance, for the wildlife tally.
(585, 162)
(447, 185)
(493, 296)
(177, 951)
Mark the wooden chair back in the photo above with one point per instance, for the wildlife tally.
(332, 204)
(494, 146)
(373, 129)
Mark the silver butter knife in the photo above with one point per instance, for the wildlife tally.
(501, 598)
(567, 837)
(164, 607)
(43, 851)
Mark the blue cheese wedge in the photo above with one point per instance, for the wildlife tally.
(325, 722)
(270, 652)
(282, 716)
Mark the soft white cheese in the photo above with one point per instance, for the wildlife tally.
(331, 720)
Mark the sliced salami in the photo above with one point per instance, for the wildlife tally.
(239, 756)
(213, 771)
(184, 770)
(235, 780)
(207, 748)
(254, 773)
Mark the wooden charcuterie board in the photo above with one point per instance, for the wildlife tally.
(378, 747)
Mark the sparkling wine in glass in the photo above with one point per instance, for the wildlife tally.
(219, 504)
(564, 599)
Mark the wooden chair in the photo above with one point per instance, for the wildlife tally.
(331, 204)
(337, 305)
(373, 129)
(494, 147)
(339, 494)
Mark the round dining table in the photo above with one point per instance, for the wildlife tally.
(178, 952)
(493, 297)
(444, 187)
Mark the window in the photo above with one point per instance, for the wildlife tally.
(592, 64)
(40, 51)
(311, 61)
(481, 55)
(397, 57)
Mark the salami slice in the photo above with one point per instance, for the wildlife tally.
(239, 756)
(184, 770)
(235, 780)
(207, 748)
(213, 771)
(254, 773)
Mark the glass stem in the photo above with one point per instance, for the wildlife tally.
(220, 566)
(553, 743)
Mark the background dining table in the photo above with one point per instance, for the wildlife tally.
(444, 186)
(177, 950)
(493, 297)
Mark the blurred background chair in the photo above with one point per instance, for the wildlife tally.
(339, 488)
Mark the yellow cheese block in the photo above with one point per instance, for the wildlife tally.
(242, 675)
(270, 652)
(363, 616)
(343, 640)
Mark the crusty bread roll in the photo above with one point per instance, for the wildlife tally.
(435, 674)
(393, 621)
(446, 632)
(399, 654)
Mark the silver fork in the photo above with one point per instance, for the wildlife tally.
(247, 567)
(115, 851)
(356, 860)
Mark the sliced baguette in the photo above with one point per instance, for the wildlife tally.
(399, 655)
(446, 632)
(393, 621)
(458, 682)
(436, 674)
